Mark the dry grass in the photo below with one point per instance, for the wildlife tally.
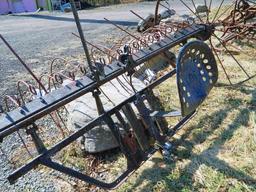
(216, 150)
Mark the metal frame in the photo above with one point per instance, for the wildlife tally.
(25, 117)
(44, 157)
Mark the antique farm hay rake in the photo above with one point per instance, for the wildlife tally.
(134, 123)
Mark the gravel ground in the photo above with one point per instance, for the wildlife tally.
(42, 37)
(38, 39)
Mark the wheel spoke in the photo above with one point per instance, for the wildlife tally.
(207, 16)
(225, 11)
(221, 64)
(223, 44)
(218, 11)
(190, 10)
(194, 5)
(210, 5)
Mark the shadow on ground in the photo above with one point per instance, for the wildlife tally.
(184, 180)
(95, 21)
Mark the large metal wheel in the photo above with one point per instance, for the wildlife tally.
(233, 24)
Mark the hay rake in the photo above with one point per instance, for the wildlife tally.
(196, 73)
(234, 22)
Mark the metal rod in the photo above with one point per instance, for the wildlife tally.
(96, 47)
(23, 63)
(81, 34)
(84, 86)
(165, 7)
(137, 15)
(190, 10)
(123, 29)
(194, 5)
(243, 69)
(221, 64)
(218, 11)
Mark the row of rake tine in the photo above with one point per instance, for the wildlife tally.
(134, 44)
(27, 91)
(54, 79)
(148, 37)
(237, 22)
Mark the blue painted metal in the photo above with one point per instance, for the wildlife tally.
(197, 73)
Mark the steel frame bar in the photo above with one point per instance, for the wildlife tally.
(29, 113)
(45, 157)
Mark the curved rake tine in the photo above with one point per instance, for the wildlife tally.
(16, 102)
(96, 47)
(55, 117)
(107, 97)
(129, 33)
(125, 78)
(71, 74)
(29, 87)
(222, 66)
(225, 11)
(216, 14)
(119, 81)
(66, 64)
(53, 61)
(129, 81)
(118, 90)
(237, 48)
(51, 79)
(131, 84)
(61, 119)
(92, 54)
(240, 35)
(232, 56)
(129, 91)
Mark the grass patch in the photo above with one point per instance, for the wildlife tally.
(216, 150)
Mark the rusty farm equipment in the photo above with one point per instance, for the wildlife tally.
(195, 70)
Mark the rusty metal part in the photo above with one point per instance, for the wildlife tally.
(22, 62)
(240, 23)
(120, 62)
(17, 103)
(50, 101)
